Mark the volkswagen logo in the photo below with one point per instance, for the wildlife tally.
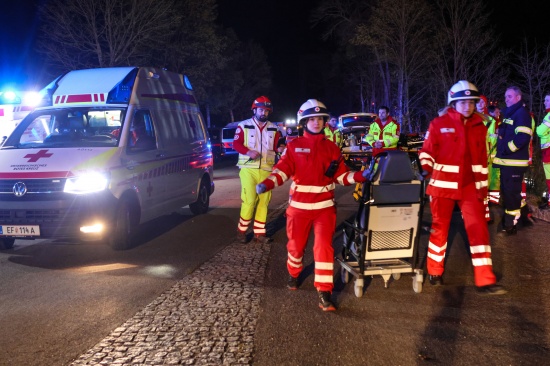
(19, 189)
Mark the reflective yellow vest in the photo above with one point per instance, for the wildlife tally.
(387, 134)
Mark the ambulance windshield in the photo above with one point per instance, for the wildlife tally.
(68, 127)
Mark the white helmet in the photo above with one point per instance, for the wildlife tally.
(461, 91)
(312, 108)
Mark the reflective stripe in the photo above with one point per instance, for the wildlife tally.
(443, 184)
(510, 162)
(476, 249)
(446, 168)
(480, 169)
(426, 162)
(312, 206)
(324, 265)
(482, 262)
(346, 176)
(482, 184)
(436, 248)
(312, 189)
(294, 259)
(282, 174)
(516, 213)
(437, 258)
(545, 146)
(323, 279)
(524, 129)
(512, 146)
(295, 265)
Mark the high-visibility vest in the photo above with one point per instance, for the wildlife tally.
(334, 135)
(388, 134)
(543, 131)
(262, 141)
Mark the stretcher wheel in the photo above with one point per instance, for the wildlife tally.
(358, 287)
(345, 275)
(417, 285)
(396, 276)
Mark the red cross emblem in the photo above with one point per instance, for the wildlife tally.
(33, 158)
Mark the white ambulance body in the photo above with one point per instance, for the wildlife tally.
(112, 148)
(13, 110)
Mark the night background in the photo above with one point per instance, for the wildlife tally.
(297, 56)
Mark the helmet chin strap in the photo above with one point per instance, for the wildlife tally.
(312, 133)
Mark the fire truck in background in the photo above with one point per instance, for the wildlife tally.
(14, 106)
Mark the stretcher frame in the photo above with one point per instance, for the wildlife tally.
(383, 238)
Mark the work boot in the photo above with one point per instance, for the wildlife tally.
(508, 231)
(241, 237)
(262, 239)
(435, 280)
(526, 217)
(292, 283)
(493, 289)
(324, 301)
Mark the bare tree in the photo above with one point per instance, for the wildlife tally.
(532, 65)
(466, 45)
(397, 34)
(100, 33)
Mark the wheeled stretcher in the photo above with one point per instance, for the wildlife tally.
(384, 236)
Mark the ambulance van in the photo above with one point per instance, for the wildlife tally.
(107, 150)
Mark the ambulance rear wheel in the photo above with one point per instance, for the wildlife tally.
(203, 200)
(6, 243)
(122, 234)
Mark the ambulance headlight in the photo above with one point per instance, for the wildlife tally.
(86, 183)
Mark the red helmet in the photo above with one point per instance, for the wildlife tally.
(262, 102)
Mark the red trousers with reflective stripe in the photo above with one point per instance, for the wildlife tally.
(298, 226)
(473, 214)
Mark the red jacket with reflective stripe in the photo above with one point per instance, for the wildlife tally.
(443, 153)
(306, 160)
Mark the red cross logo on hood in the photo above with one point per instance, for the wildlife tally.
(33, 158)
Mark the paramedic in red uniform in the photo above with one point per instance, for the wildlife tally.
(255, 140)
(315, 165)
(454, 155)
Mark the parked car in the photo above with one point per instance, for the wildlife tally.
(218, 150)
(228, 135)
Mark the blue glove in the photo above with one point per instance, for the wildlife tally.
(260, 188)
(367, 174)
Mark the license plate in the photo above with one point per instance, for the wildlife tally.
(19, 230)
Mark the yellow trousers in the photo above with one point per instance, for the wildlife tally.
(251, 201)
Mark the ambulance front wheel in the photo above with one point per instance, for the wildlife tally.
(122, 234)
(7, 243)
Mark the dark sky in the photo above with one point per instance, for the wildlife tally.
(281, 26)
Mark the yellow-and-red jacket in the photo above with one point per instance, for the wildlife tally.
(334, 135)
(306, 160)
(249, 135)
(492, 136)
(514, 137)
(543, 131)
(443, 152)
(388, 134)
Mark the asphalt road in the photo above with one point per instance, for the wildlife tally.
(57, 300)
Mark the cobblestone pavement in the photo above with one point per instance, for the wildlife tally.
(207, 318)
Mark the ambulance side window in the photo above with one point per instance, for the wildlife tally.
(142, 132)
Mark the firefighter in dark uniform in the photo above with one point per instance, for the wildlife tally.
(514, 136)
